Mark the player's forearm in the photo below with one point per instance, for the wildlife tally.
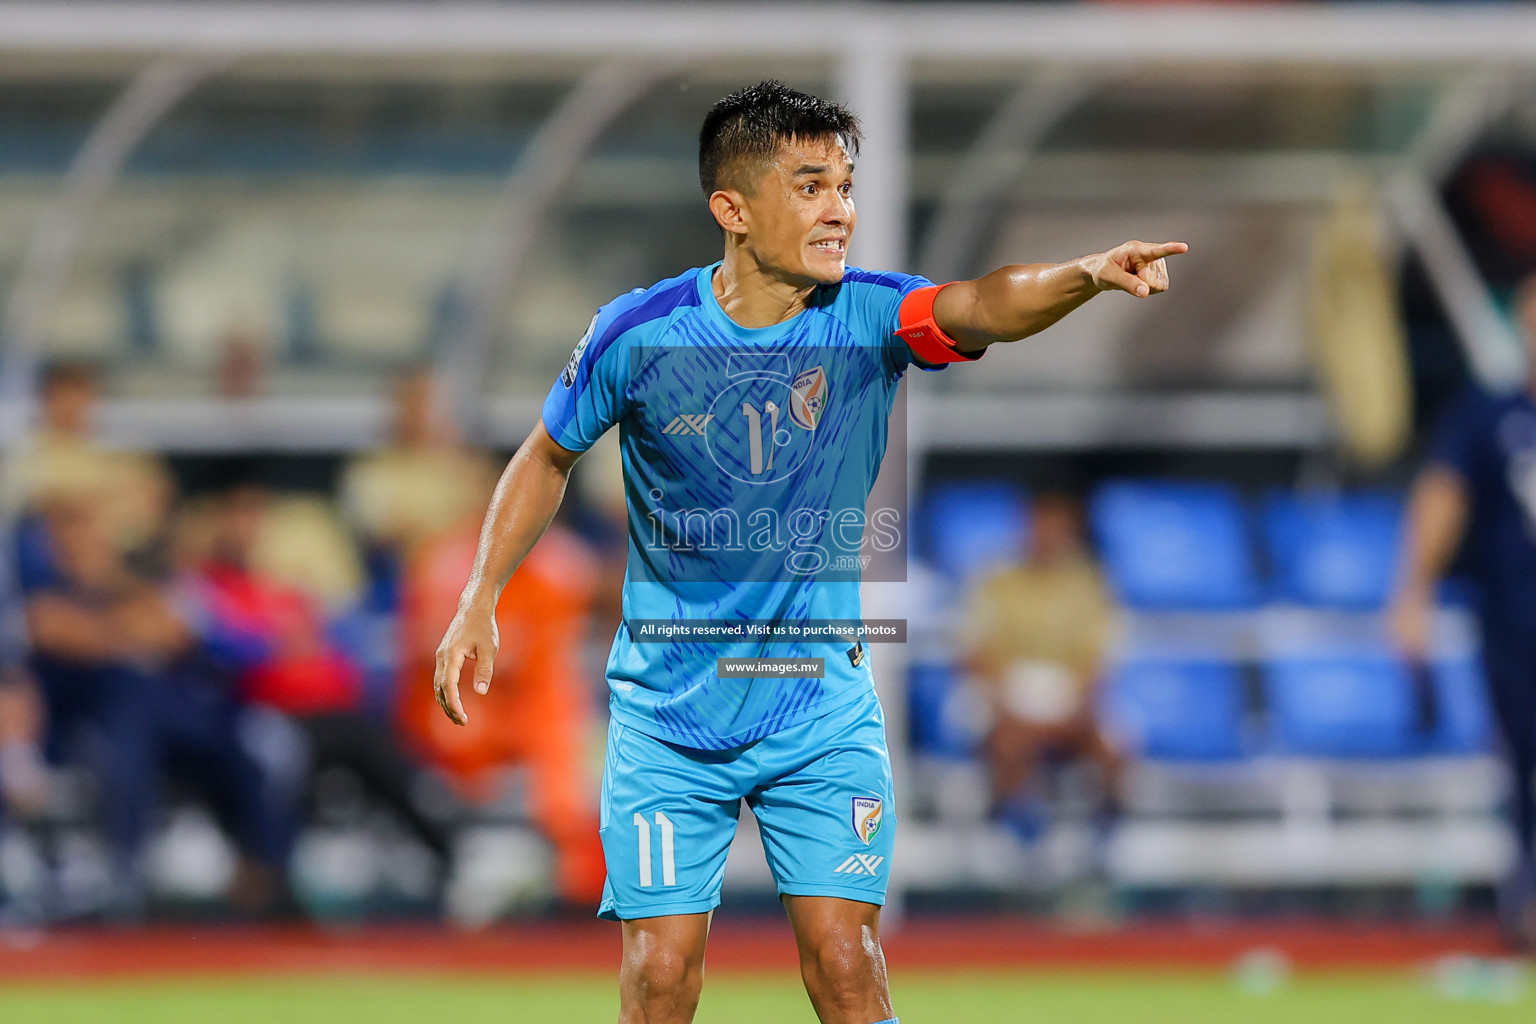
(1016, 301)
(525, 502)
(1437, 515)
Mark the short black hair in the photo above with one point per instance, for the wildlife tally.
(750, 124)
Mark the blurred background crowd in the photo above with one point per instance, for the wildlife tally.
(235, 643)
(273, 322)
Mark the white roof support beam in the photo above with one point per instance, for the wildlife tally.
(873, 78)
(542, 171)
(51, 250)
(1456, 120)
(994, 162)
(1491, 347)
(1075, 421)
(1490, 344)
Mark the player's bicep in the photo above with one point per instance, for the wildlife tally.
(926, 322)
(955, 306)
(961, 312)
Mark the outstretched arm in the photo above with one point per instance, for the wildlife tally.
(526, 499)
(1016, 301)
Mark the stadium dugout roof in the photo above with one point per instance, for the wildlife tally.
(1043, 62)
(1361, 35)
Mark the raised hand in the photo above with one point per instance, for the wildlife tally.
(1139, 268)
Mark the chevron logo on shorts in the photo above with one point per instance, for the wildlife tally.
(860, 864)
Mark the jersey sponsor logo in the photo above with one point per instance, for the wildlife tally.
(808, 398)
(860, 864)
(689, 423)
(568, 375)
(868, 814)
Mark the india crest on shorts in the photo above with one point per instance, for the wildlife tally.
(808, 398)
(868, 812)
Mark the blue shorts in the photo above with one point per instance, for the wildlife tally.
(821, 791)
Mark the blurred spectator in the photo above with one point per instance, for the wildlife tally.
(536, 712)
(240, 365)
(274, 637)
(419, 484)
(302, 543)
(1037, 636)
(112, 655)
(1480, 483)
(63, 460)
(23, 780)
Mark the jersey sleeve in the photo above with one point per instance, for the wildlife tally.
(590, 394)
(1454, 440)
(881, 308)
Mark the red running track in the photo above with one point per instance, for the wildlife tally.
(988, 943)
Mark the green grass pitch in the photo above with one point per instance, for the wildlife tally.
(1078, 998)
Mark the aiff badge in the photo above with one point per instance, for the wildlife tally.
(868, 812)
(808, 398)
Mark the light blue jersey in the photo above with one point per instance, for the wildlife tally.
(748, 457)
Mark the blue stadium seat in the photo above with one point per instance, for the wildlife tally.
(1464, 721)
(973, 526)
(1350, 706)
(1175, 545)
(1177, 710)
(1334, 551)
(939, 723)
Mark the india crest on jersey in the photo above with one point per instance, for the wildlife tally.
(808, 398)
(868, 813)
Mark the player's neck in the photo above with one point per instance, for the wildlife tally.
(754, 296)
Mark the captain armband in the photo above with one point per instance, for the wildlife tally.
(928, 342)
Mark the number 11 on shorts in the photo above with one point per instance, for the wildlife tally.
(668, 858)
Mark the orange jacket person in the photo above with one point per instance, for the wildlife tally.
(536, 715)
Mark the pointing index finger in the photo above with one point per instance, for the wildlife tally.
(1157, 252)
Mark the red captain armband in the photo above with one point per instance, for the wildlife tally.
(929, 344)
